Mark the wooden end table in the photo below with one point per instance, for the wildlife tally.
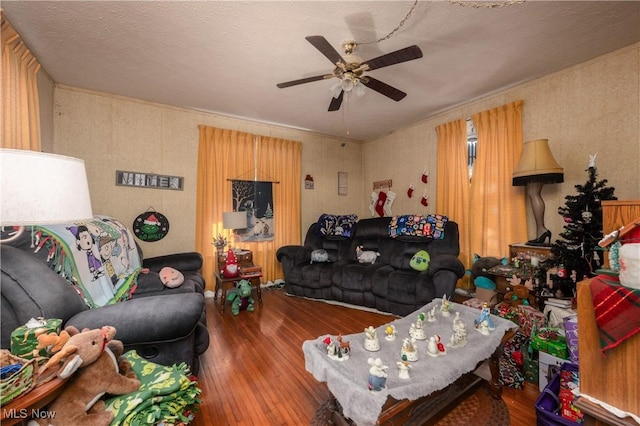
(245, 260)
(23, 407)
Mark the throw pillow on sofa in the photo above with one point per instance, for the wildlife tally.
(340, 226)
(420, 261)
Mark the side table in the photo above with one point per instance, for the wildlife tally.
(245, 260)
(25, 406)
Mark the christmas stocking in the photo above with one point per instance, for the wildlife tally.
(382, 198)
(410, 191)
(425, 200)
(425, 176)
(372, 204)
(389, 201)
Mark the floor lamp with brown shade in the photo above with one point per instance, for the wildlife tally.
(536, 168)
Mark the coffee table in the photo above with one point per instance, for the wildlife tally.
(450, 375)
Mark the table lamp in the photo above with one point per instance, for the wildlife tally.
(38, 188)
(234, 221)
(536, 168)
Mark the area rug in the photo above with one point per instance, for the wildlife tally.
(479, 409)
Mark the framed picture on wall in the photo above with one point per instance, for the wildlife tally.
(342, 183)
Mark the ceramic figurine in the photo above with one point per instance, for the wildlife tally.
(403, 368)
(485, 315)
(417, 330)
(371, 342)
(409, 351)
(483, 328)
(445, 307)
(459, 336)
(390, 333)
(377, 375)
(435, 347)
(335, 352)
(431, 315)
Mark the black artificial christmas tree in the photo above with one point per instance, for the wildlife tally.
(578, 249)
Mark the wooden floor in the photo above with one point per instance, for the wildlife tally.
(253, 372)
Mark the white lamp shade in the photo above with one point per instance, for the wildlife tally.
(40, 188)
(234, 220)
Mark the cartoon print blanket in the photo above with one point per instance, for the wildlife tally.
(97, 257)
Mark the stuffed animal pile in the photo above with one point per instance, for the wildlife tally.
(91, 361)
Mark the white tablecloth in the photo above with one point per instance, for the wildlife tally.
(347, 380)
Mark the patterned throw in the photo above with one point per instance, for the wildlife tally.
(98, 257)
(166, 396)
(336, 226)
(617, 310)
(429, 226)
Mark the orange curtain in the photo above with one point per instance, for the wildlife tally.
(497, 208)
(452, 190)
(20, 109)
(224, 155)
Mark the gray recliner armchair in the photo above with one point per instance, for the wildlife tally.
(165, 326)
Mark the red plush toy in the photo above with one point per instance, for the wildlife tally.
(230, 269)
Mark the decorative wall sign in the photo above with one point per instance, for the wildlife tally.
(256, 198)
(342, 183)
(148, 180)
(150, 226)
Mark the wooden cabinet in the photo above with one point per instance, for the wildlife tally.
(515, 249)
(612, 378)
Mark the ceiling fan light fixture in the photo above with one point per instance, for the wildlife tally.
(336, 89)
(347, 82)
(359, 88)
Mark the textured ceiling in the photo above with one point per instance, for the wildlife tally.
(227, 56)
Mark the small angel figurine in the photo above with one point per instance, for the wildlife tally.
(371, 342)
(592, 160)
(445, 307)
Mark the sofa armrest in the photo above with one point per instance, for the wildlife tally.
(188, 261)
(147, 319)
(293, 254)
(446, 262)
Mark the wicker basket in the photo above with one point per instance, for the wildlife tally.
(19, 382)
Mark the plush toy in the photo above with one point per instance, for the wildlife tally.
(171, 278)
(518, 296)
(366, 256)
(230, 269)
(241, 298)
(91, 356)
(481, 265)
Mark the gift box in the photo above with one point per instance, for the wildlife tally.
(571, 334)
(530, 317)
(569, 381)
(551, 341)
(24, 339)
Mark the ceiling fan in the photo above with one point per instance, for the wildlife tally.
(350, 70)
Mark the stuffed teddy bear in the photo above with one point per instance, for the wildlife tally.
(90, 359)
(241, 298)
(518, 296)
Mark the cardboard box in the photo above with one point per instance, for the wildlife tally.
(546, 362)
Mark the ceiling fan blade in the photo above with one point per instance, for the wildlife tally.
(336, 102)
(321, 43)
(304, 80)
(403, 55)
(384, 88)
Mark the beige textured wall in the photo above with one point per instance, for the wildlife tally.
(114, 133)
(590, 108)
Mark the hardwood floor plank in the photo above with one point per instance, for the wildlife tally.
(253, 372)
